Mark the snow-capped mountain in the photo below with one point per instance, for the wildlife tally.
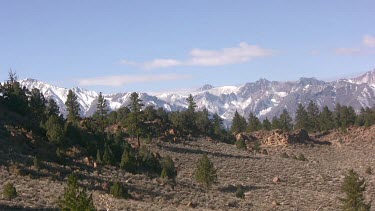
(264, 98)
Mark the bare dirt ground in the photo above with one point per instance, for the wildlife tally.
(305, 185)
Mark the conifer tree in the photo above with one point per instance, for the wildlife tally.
(217, 124)
(75, 198)
(354, 187)
(238, 124)
(191, 104)
(313, 115)
(101, 110)
(266, 124)
(72, 106)
(205, 172)
(254, 123)
(302, 118)
(55, 130)
(326, 119)
(52, 108)
(128, 162)
(275, 123)
(135, 119)
(285, 121)
(37, 105)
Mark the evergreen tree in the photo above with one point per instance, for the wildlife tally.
(238, 124)
(276, 123)
(134, 121)
(191, 104)
(37, 105)
(98, 156)
(347, 116)
(72, 107)
(75, 198)
(326, 121)
(285, 121)
(128, 162)
(302, 118)
(52, 108)
(266, 125)
(203, 122)
(168, 167)
(254, 123)
(205, 172)
(14, 96)
(55, 130)
(217, 124)
(337, 115)
(108, 157)
(313, 116)
(354, 187)
(101, 111)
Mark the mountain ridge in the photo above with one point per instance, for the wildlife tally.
(264, 98)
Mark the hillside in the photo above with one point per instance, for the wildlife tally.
(305, 185)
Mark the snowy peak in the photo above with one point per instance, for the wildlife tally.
(368, 78)
(205, 88)
(262, 97)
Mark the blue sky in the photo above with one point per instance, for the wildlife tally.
(155, 46)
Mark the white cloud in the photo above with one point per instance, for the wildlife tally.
(120, 80)
(369, 41)
(348, 51)
(200, 57)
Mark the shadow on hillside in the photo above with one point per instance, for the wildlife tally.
(200, 152)
(233, 188)
(8, 207)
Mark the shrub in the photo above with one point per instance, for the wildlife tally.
(240, 193)
(128, 162)
(284, 155)
(353, 187)
(119, 191)
(369, 170)
(169, 169)
(240, 144)
(75, 198)
(9, 191)
(148, 160)
(301, 157)
(205, 172)
(256, 147)
(55, 130)
(36, 163)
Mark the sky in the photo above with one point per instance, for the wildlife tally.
(176, 46)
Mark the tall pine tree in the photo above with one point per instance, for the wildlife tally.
(72, 106)
(238, 124)
(101, 111)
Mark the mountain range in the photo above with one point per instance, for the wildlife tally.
(264, 98)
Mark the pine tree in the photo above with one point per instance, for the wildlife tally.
(238, 124)
(37, 105)
(72, 106)
(337, 115)
(55, 131)
(266, 124)
(168, 167)
(108, 157)
(128, 162)
(285, 121)
(101, 110)
(313, 115)
(276, 123)
(203, 122)
(191, 104)
(326, 119)
(217, 124)
(254, 123)
(354, 187)
(302, 118)
(134, 120)
(205, 172)
(75, 198)
(52, 108)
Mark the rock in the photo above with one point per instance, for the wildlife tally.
(190, 204)
(276, 180)
(274, 203)
(95, 165)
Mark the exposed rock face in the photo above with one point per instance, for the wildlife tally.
(278, 137)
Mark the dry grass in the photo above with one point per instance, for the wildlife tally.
(310, 185)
